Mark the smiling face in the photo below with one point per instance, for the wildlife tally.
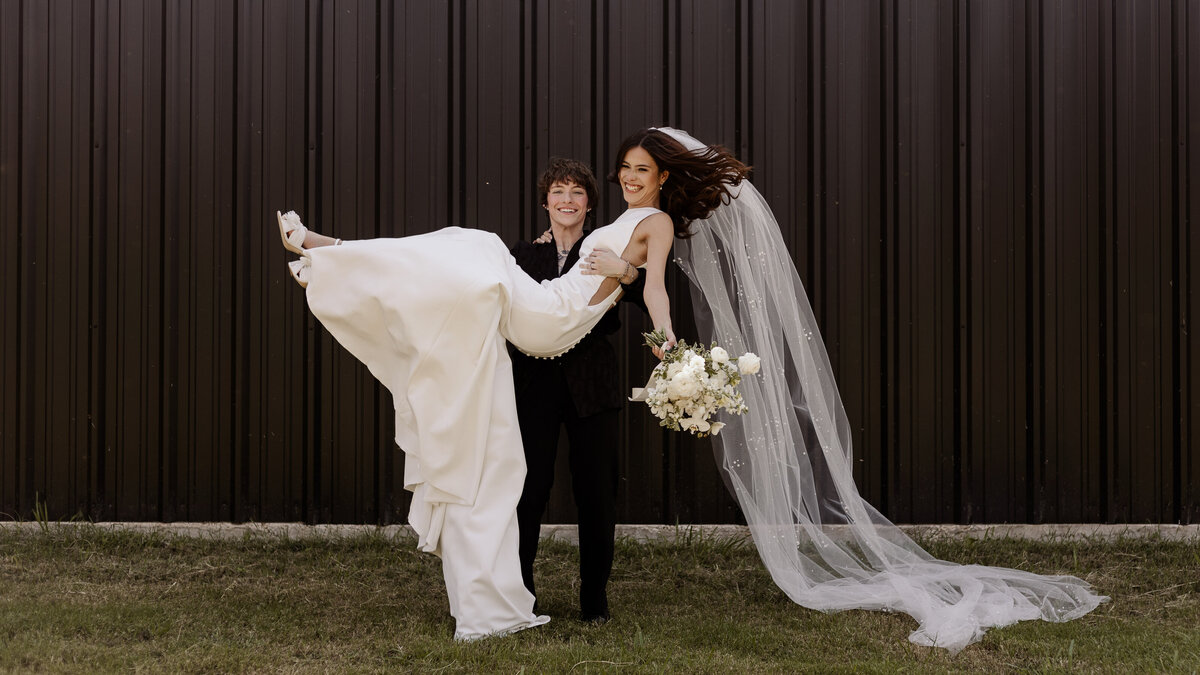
(567, 204)
(640, 178)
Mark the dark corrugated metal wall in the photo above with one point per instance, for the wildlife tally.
(991, 204)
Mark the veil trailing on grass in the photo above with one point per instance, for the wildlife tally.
(788, 459)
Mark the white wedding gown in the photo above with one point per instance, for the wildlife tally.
(429, 316)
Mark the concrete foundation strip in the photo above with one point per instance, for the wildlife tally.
(639, 533)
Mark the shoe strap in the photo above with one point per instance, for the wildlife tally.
(300, 269)
(296, 236)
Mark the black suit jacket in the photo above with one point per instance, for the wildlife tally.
(590, 367)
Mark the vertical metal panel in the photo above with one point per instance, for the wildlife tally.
(1187, 174)
(99, 263)
(1141, 283)
(1068, 386)
(562, 98)
(33, 244)
(777, 129)
(997, 286)
(272, 108)
(253, 487)
(207, 265)
(919, 457)
(12, 492)
(66, 264)
(991, 204)
(488, 108)
(180, 338)
(137, 274)
(852, 289)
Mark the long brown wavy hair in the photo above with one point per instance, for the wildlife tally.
(698, 182)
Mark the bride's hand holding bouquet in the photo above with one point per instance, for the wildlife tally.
(660, 341)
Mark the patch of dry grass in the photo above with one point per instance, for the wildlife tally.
(84, 599)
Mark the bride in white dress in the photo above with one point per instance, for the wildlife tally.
(429, 319)
(429, 316)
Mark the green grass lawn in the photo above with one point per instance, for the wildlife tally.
(86, 599)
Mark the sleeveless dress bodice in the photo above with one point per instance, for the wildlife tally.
(616, 235)
(547, 319)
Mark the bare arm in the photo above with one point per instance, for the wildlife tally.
(660, 236)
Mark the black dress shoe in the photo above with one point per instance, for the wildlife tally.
(595, 619)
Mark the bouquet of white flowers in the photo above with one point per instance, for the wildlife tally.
(692, 382)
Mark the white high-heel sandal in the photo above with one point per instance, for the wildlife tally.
(300, 269)
(291, 231)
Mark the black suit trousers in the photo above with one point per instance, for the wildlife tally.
(543, 409)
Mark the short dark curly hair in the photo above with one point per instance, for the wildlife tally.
(562, 170)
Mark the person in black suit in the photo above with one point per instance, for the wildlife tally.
(579, 390)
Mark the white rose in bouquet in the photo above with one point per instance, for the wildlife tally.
(683, 386)
(719, 355)
(748, 363)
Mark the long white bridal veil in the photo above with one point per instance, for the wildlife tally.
(788, 460)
